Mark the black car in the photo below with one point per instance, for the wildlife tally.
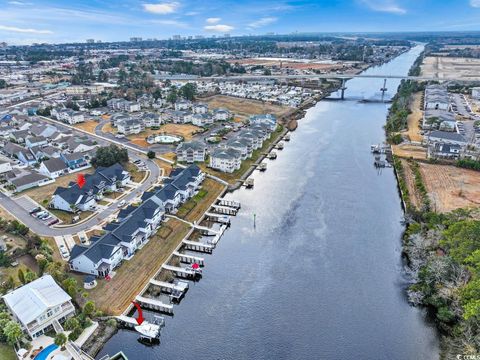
(34, 211)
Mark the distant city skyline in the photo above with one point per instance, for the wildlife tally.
(55, 21)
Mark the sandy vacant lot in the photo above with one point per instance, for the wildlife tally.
(451, 67)
(88, 125)
(450, 187)
(415, 118)
(409, 176)
(410, 151)
(245, 107)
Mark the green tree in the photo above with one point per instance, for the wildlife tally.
(89, 308)
(110, 155)
(71, 324)
(70, 286)
(188, 91)
(461, 239)
(172, 95)
(60, 340)
(30, 276)
(151, 154)
(21, 276)
(13, 332)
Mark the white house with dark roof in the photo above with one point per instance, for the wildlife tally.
(38, 304)
(446, 137)
(221, 114)
(53, 168)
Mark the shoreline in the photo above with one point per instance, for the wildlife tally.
(96, 342)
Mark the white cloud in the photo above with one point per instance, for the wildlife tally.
(388, 6)
(174, 23)
(24, 30)
(475, 3)
(162, 8)
(213, 20)
(219, 28)
(19, 3)
(262, 22)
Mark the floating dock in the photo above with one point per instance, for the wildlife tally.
(154, 304)
(180, 272)
(230, 203)
(190, 259)
(225, 210)
(198, 246)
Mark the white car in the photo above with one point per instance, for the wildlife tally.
(121, 203)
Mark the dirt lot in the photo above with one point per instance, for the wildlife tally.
(88, 125)
(410, 151)
(450, 187)
(39, 194)
(415, 197)
(415, 118)
(289, 64)
(243, 108)
(108, 128)
(451, 67)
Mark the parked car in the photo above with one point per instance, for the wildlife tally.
(35, 210)
(121, 203)
(53, 222)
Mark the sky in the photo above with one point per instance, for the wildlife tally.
(58, 21)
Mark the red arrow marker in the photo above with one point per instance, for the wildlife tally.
(140, 315)
(80, 180)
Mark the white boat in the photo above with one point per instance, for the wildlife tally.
(148, 330)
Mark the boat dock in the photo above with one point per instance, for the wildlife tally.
(154, 305)
(223, 219)
(230, 203)
(198, 246)
(127, 321)
(166, 286)
(190, 259)
(180, 272)
(225, 210)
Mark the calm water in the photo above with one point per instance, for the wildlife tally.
(320, 275)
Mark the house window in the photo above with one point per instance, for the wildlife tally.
(49, 313)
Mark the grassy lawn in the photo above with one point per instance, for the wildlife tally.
(200, 203)
(233, 177)
(88, 126)
(167, 168)
(7, 352)
(115, 295)
(108, 128)
(67, 217)
(103, 202)
(243, 108)
(39, 194)
(136, 175)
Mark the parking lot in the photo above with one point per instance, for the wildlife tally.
(36, 211)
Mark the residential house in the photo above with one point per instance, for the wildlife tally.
(151, 120)
(74, 160)
(19, 136)
(221, 114)
(200, 108)
(225, 159)
(53, 168)
(440, 150)
(264, 119)
(201, 119)
(446, 138)
(38, 305)
(182, 105)
(28, 181)
(33, 141)
(130, 126)
(190, 152)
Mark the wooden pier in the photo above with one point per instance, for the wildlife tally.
(198, 246)
(166, 286)
(127, 321)
(223, 219)
(154, 304)
(225, 210)
(230, 203)
(180, 272)
(190, 259)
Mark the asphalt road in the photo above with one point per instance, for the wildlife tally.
(43, 230)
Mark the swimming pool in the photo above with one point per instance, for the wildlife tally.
(42, 355)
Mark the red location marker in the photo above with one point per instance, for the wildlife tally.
(195, 266)
(140, 315)
(80, 180)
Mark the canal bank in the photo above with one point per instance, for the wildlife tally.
(311, 267)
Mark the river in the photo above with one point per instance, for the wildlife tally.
(319, 275)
